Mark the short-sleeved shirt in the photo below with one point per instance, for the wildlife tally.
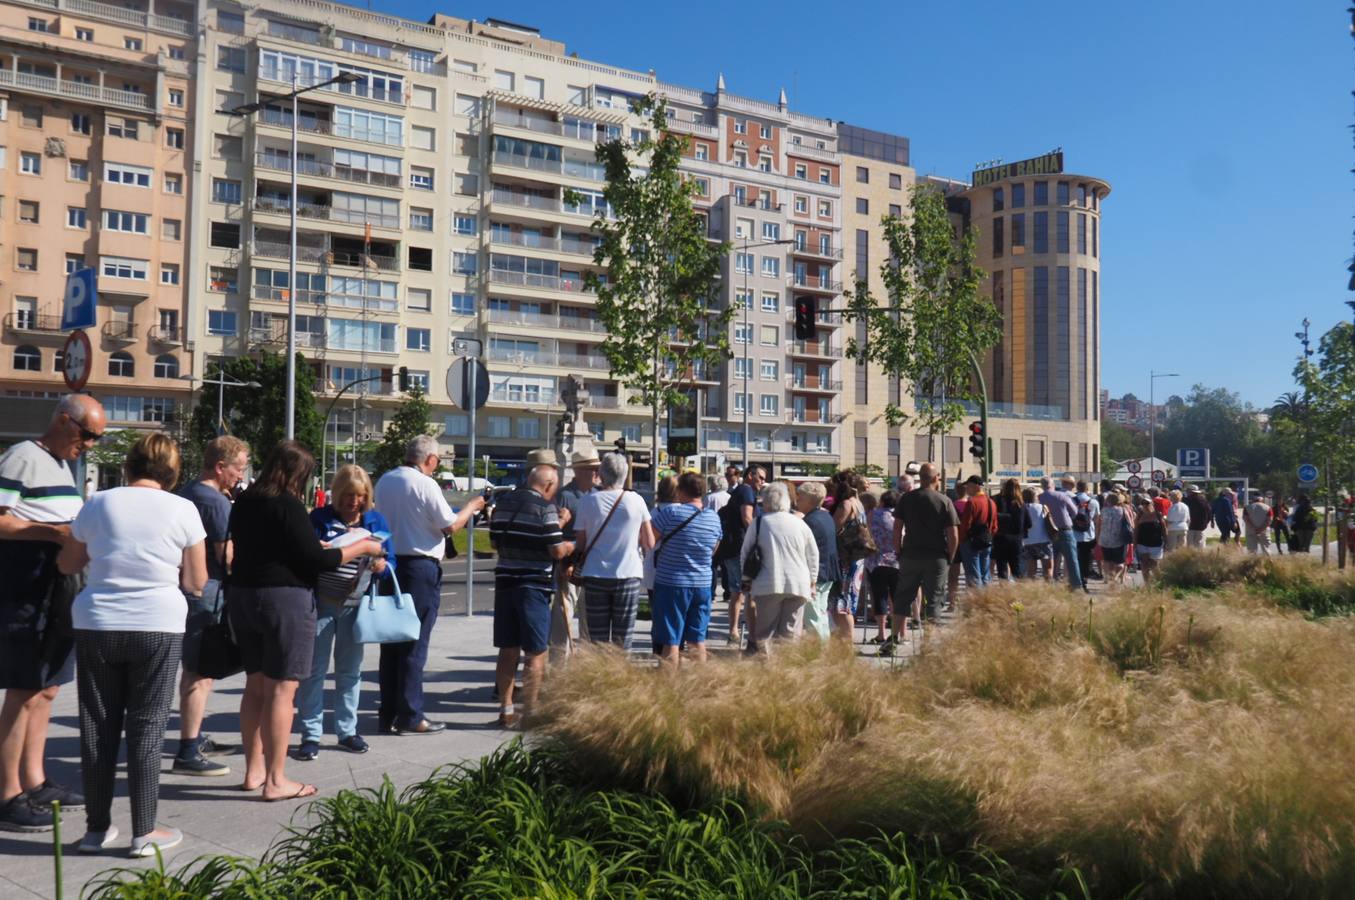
(37, 487)
(715, 500)
(731, 514)
(683, 558)
(1088, 505)
(613, 551)
(1062, 508)
(214, 508)
(568, 498)
(136, 537)
(417, 511)
(524, 528)
(926, 514)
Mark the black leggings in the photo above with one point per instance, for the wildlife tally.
(884, 582)
(125, 678)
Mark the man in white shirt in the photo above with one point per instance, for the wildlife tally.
(420, 521)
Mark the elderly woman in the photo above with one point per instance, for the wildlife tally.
(809, 500)
(350, 507)
(790, 567)
(1114, 532)
(610, 528)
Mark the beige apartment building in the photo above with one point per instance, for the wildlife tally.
(95, 128)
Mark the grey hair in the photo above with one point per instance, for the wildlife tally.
(775, 498)
(814, 490)
(612, 470)
(72, 406)
(1047, 483)
(419, 449)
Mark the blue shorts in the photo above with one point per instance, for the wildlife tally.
(204, 610)
(522, 614)
(680, 614)
(731, 575)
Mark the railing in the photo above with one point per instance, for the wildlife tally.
(283, 119)
(546, 282)
(546, 320)
(813, 417)
(308, 340)
(166, 334)
(547, 358)
(1010, 410)
(809, 152)
(527, 123)
(544, 395)
(295, 33)
(570, 167)
(119, 331)
(327, 170)
(697, 128)
(88, 92)
(33, 323)
(321, 211)
(559, 245)
(820, 283)
(803, 384)
(281, 76)
(801, 348)
(325, 256)
(121, 15)
(807, 249)
(529, 201)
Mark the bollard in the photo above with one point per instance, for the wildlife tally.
(56, 846)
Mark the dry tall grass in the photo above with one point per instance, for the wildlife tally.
(1202, 747)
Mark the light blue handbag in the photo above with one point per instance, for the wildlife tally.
(385, 619)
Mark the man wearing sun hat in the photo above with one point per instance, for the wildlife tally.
(568, 598)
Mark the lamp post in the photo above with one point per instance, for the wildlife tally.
(246, 109)
(748, 338)
(1152, 417)
(221, 381)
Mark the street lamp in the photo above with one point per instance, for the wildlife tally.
(221, 381)
(748, 338)
(1152, 417)
(247, 109)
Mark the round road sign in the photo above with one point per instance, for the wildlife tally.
(1134, 466)
(1159, 476)
(77, 360)
(1308, 474)
(458, 382)
(1133, 482)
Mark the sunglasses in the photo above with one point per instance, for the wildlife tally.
(85, 433)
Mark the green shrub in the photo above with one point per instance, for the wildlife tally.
(1291, 582)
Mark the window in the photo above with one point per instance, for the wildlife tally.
(120, 365)
(997, 236)
(1018, 196)
(222, 322)
(740, 127)
(1041, 237)
(28, 211)
(421, 258)
(825, 209)
(770, 369)
(862, 206)
(740, 404)
(131, 43)
(1018, 230)
(421, 219)
(120, 267)
(418, 339)
(225, 234)
(36, 24)
(997, 200)
(801, 171)
(84, 34)
(121, 173)
(171, 229)
(743, 263)
(503, 80)
(742, 334)
(74, 261)
(742, 367)
(121, 127)
(862, 175)
(770, 335)
(802, 205)
(529, 429)
(223, 280)
(165, 366)
(465, 263)
(740, 159)
(27, 359)
(764, 163)
(1034, 453)
(420, 299)
(1041, 193)
(169, 273)
(230, 59)
(225, 190)
(769, 404)
(765, 131)
(77, 170)
(895, 210)
(702, 152)
(176, 97)
(456, 425)
(174, 138)
(498, 426)
(771, 266)
(81, 123)
(1082, 233)
(26, 259)
(702, 186)
(463, 304)
(465, 225)
(1081, 194)
(420, 178)
(176, 51)
(895, 181)
(173, 184)
(423, 97)
(1061, 193)
(825, 175)
(30, 163)
(743, 299)
(76, 217)
(421, 138)
(128, 222)
(31, 116)
(771, 302)
(1061, 232)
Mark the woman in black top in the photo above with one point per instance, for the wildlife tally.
(1150, 535)
(271, 603)
(1012, 524)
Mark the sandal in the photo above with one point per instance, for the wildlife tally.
(306, 790)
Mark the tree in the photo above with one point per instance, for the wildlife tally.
(656, 300)
(1118, 443)
(1288, 405)
(1327, 425)
(258, 415)
(936, 321)
(411, 419)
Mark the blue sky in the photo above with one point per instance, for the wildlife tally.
(1222, 128)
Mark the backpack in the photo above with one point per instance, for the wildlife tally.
(980, 532)
(731, 532)
(1082, 520)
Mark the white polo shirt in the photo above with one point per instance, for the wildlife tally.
(416, 510)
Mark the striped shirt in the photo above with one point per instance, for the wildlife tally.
(523, 529)
(683, 558)
(37, 487)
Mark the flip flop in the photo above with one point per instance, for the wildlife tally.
(306, 790)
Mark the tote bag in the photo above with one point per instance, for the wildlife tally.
(219, 654)
(386, 619)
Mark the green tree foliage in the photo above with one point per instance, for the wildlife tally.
(1120, 442)
(656, 298)
(935, 317)
(1325, 426)
(411, 419)
(1218, 419)
(259, 415)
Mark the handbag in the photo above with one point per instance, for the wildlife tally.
(219, 654)
(752, 563)
(854, 541)
(386, 619)
(1054, 530)
(576, 573)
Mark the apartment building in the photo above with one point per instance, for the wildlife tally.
(95, 131)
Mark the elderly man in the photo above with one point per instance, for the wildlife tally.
(526, 531)
(420, 520)
(928, 526)
(568, 598)
(1062, 509)
(38, 500)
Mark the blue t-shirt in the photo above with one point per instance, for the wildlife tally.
(683, 558)
(214, 508)
(329, 524)
(820, 523)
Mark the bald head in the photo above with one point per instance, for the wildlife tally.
(77, 424)
(927, 475)
(543, 480)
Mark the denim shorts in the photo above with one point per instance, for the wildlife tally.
(522, 614)
(203, 611)
(680, 614)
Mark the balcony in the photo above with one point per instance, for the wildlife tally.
(543, 282)
(33, 323)
(334, 93)
(324, 256)
(814, 417)
(119, 332)
(166, 335)
(120, 15)
(327, 298)
(319, 169)
(813, 385)
(814, 349)
(305, 340)
(547, 358)
(526, 201)
(555, 245)
(571, 168)
(699, 129)
(825, 319)
(518, 397)
(818, 283)
(323, 212)
(304, 123)
(804, 248)
(88, 93)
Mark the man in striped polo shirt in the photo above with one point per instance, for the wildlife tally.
(38, 500)
(525, 530)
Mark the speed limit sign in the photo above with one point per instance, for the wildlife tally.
(1133, 482)
(77, 360)
(1134, 466)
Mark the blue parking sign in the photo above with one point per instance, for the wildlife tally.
(79, 308)
(1192, 462)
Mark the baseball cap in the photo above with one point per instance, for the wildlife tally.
(974, 479)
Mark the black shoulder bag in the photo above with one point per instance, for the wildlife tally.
(673, 533)
(219, 653)
(752, 564)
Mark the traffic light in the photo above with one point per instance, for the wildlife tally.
(804, 319)
(978, 442)
(404, 378)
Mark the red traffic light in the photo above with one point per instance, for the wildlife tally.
(976, 428)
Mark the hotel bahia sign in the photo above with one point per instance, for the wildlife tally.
(1049, 164)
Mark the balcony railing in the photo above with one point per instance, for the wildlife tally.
(814, 417)
(166, 334)
(518, 397)
(283, 205)
(325, 298)
(33, 323)
(326, 170)
(558, 245)
(306, 340)
(825, 319)
(283, 119)
(123, 332)
(803, 348)
(528, 123)
(806, 384)
(325, 256)
(121, 15)
(91, 93)
(572, 168)
(545, 320)
(815, 283)
(545, 282)
(547, 358)
(804, 248)
(529, 201)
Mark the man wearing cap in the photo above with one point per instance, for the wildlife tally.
(568, 598)
(978, 524)
(1200, 516)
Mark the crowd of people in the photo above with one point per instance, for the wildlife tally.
(123, 592)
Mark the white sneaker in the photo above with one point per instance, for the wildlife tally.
(98, 841)
(161, 839)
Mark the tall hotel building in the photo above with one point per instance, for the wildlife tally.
(96, 112)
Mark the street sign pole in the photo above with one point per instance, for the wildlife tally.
(470, 400)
